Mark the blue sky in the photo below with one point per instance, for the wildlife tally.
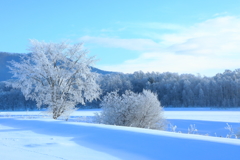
(181, 36)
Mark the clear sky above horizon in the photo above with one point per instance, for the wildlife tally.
(181, 36)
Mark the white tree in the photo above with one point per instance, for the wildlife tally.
(57, 75)
(131, 109)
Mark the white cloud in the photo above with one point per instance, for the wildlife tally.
(156, 26)
(130, 44)
(220, 14)
(163, 62)
(213, 45)
(215, 36)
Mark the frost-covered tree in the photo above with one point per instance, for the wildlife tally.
(131, 109)
(57, 75)
(181, 90)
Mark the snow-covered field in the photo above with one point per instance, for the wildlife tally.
(34, 136)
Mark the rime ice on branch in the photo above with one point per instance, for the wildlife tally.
(57, 75)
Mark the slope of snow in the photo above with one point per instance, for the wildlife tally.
(35, 141)
(174, 113)
(28, 137)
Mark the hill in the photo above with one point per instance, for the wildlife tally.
(4, 58)
(4, 70)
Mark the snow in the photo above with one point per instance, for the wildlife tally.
(221, 116)
(32, 135)
(34, 141)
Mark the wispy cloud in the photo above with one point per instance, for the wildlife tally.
(212, 45)
(163, 62)
(220, 14)
(130, 44)
(156, 26)
(219, 36)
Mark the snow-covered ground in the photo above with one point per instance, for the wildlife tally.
(32, 135)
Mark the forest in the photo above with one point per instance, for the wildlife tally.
(173, 89)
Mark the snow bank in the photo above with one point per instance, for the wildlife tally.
(48, 139)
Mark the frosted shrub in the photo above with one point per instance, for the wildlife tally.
(172, 127)
(192, 129)
(131, 109)
(231, 132)
(230, 129)
(238, 133)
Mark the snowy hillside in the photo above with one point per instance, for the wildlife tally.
(30, 135)
(5, 57)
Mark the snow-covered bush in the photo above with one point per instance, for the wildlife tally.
(238, 133)
(192, 129)
(231, 132)
(56, 75)
(131, 109)
(172, 127)
(230, 129)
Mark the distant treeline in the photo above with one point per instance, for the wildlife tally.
(184, 90)
(174, 90)
(13, 99)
